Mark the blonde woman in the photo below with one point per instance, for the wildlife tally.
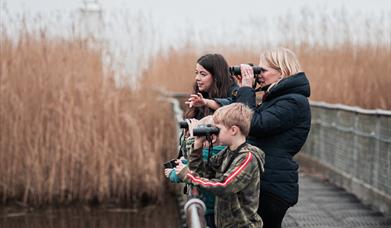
(279, 127)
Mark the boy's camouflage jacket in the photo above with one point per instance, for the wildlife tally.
(236, 186)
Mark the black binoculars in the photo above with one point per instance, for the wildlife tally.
(170, 164)
(206, 130)
(184, 125)
(235, 70)
(201, 130)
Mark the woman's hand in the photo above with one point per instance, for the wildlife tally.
(247, 77)
(196, 100)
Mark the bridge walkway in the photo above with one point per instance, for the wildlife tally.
(322, 204)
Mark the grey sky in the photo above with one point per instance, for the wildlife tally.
(173, 21)
(200, 13)
(200, 8)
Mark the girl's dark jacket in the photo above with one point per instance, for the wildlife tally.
(280, 127)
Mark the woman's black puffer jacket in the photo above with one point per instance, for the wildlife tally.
(280, 127)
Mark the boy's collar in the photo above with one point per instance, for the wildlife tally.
(238, 148)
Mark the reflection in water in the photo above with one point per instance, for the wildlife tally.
(163, 215)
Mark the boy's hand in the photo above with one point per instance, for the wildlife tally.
(206, 143)
(200, 142)
(193, 123)
(186, 133)
(179, 167)
(167, 172)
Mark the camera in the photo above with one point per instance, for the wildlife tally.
(235, 70)
(206, 130)
(170, 164)
(183, 124)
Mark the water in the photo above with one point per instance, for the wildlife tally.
(164, 214)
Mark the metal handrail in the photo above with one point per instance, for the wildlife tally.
(195, 211)
(354, 109)
(194, 207)
(353, 144)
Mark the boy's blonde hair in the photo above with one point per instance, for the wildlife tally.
(236, 114)
(282, 60)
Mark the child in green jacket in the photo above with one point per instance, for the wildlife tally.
(237, 169)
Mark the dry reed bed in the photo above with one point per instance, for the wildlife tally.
(349, 74)
(345, 73)
(347, 56)
(68, 134)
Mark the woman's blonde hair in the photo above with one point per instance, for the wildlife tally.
(281, 59)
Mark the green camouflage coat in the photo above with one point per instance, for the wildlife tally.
(235, 185)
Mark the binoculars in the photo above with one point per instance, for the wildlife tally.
(170, 164)
(201, 130)
(235, 70)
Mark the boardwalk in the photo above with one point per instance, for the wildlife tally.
(321, 204)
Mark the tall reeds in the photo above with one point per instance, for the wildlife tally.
(349, 74)
(67, 133)
(340, 68)
(346, 74)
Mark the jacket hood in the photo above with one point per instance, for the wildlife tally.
(297, 83)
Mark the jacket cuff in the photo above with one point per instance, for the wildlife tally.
(246, 95)
(222, 101)
(182, 174)
(245, 90)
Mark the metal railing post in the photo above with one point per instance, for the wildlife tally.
(195, 211)
(194, 207)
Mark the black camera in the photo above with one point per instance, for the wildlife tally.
(170, 164)
(235, 70)
(206, 130)
(183, 124)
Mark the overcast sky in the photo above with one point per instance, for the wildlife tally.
(194, 6)
(173, 20)
(199, 9)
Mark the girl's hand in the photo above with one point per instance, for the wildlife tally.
(196, 100)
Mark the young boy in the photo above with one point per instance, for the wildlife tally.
(237, 169)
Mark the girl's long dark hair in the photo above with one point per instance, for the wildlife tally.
(217, 66)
